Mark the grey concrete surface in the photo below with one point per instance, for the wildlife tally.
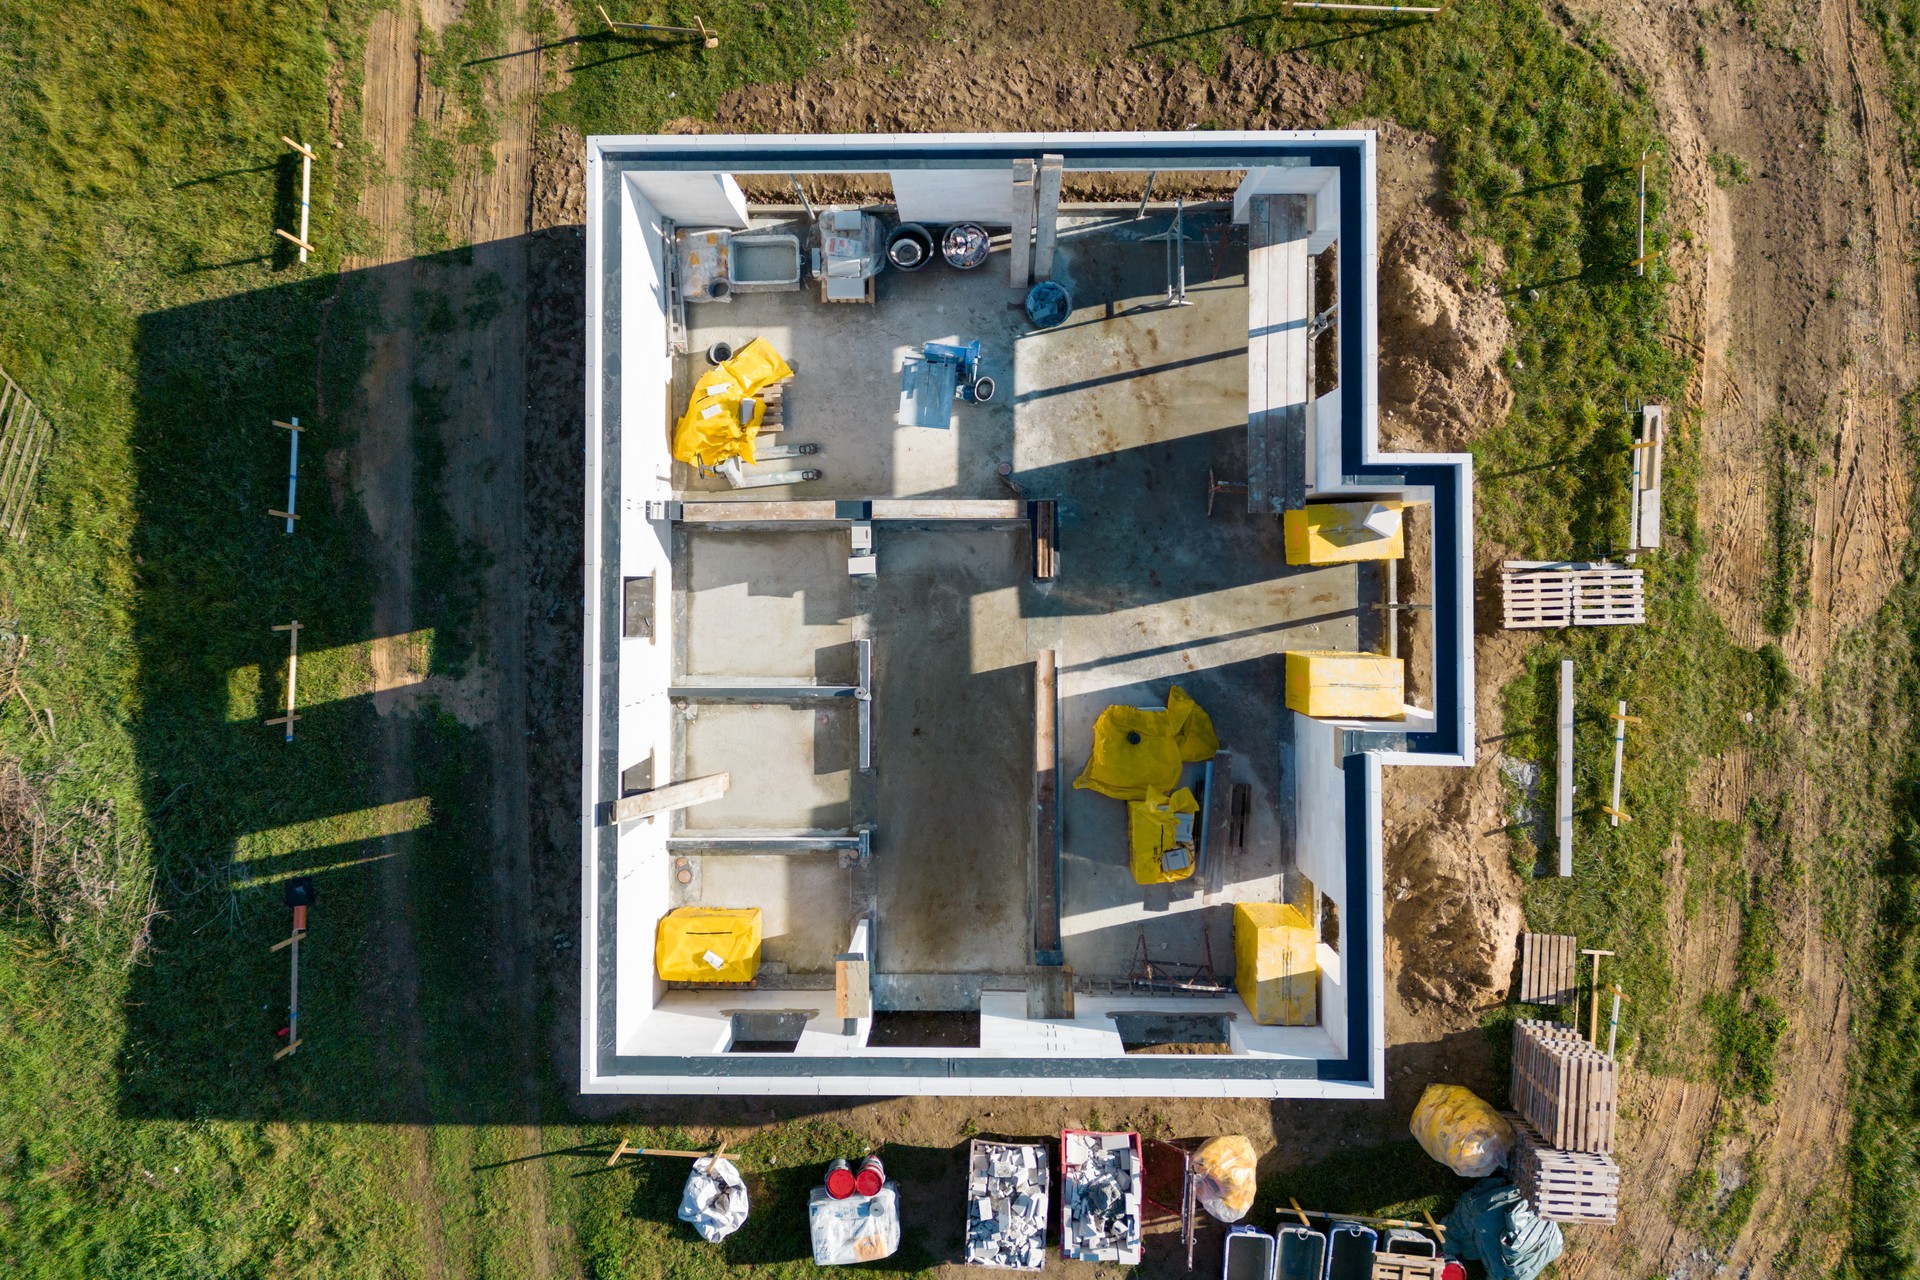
(1118, 414)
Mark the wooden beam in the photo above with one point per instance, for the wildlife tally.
(301, 147)
(852, 987)
(289, 1049)
(675, 795)
(972, 509)
(288, 235)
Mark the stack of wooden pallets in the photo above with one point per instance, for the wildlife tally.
(1548, 593)
(1563, 1186)
(1566, 1088)
(1547, 963)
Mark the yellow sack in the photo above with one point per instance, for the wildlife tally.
(1460, 1131)
(708, 944)
(1223, 1177)
(712, 430)
(1138, 751)
(1152, 825)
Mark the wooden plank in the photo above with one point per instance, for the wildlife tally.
(1046, 544)
(993, 510)
(809, 512)
(1278, 312)
(1563, 802)
(852, 987)
(1047, 216)
(1020, 259)
(675, 795)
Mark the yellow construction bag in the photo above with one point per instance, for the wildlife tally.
(1223, 1176)
(1138, 751)
(713, 428)
(708, 944)
(1460, 1131)
(1153, 829)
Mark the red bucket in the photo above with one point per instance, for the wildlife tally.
(840, 1180)
(870, 1177)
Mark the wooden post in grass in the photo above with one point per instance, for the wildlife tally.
(1593, 1024)
(709, 39)
(306, 191)
(1563, 803)
(1613, 1020)
(293, 670)
(299, 896)
(1620, 722)
(292, 513)
(1640, 238)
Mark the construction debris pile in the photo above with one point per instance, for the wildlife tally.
(1100, 1197)
(1007, 1205)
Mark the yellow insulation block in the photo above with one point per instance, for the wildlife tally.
(1338, 533)
(1346, 686)
(708, 944)
(1274, 964)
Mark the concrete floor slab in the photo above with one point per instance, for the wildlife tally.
(1119, 415)
(953, 725)
(792, 767)
(845, 394)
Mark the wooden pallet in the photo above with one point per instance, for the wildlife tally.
(1546, 593)
(1565, 1087)
(1401, 1266)
(25, 439)
(1563, 1186)
(1548, 962)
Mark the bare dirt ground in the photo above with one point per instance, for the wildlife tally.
(481, 370)
(1793, 292)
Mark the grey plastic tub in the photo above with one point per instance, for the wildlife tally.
(764, 262)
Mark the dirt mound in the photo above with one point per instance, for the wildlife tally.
(1441, 337)
(874, 87)
(1455, 918)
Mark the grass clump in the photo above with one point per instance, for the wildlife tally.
(1728, 170)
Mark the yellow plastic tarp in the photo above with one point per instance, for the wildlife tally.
(1138, 751)
(1152, 825)
(1346, 686)
(712, 429)
(708, 944)
(1460, 1131)
(1338, 533)
(1275, 965)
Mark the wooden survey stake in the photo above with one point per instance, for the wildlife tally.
(293, 674)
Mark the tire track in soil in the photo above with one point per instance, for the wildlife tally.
(482, 370)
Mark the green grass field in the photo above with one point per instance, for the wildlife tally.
(145, 304)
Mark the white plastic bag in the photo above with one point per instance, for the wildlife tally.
(715, 1199)
(857, 1229)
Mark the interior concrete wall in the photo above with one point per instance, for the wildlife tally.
(693, 199)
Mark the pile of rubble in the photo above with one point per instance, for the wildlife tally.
(1007, 1205)
(1100, 1197)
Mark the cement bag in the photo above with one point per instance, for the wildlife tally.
(708, 944)
(1153, 829)
(1139, 750)
(1223, 1175)
(1461, 1132)
(713, 428)
(1494, 1225)
(715, 1199)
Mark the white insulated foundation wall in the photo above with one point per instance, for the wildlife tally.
(639, 1036)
